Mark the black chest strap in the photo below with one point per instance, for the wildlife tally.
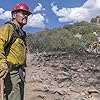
(18, 33)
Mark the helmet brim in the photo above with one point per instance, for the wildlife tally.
(29, 13)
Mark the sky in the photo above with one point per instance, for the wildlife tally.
(52, 13)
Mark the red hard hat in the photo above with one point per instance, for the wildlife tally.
(21, 6)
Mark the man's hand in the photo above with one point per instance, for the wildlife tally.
(3, 70)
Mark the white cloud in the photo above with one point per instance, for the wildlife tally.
(38, 8)
(1, 10)
(90, 9)
(37, 21)
(5, 15)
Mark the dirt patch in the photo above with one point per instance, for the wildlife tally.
(62, 76)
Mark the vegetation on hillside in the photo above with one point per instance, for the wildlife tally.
(67, 38)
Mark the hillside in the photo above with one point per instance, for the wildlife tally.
(67, 38)
(64, 63)
(63, 76)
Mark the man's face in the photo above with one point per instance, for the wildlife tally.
(21, 17)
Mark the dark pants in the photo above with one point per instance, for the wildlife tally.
(13, 86)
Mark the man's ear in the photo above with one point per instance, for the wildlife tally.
(14, 15)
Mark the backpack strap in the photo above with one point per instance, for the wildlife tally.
(16, 34)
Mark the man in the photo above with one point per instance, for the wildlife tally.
(13, 53)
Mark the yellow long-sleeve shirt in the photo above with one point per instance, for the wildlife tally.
(17, 52)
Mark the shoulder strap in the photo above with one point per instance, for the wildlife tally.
(16, 34)
(13, 37)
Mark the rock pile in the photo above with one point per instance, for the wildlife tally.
(63, 76)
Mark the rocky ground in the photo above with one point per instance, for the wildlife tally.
(62, 76)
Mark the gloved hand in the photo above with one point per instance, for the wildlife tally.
(3, 70)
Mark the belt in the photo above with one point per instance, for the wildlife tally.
(19, 68)
(14, 66)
